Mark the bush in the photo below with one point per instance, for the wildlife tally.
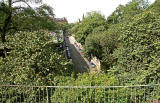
(138, 58)
(89, 23)
(33, 60)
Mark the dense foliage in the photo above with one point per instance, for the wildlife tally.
(127, 12)
(33, 60)
(15, 17)
(89, 23)
(126, 43)
(139, 55)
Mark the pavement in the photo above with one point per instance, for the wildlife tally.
(78, 59)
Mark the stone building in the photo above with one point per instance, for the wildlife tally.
(60, 20)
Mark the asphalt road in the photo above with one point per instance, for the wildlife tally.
(77, 59)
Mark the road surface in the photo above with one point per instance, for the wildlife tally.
(78, 60)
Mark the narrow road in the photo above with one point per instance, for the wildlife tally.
(78, 60)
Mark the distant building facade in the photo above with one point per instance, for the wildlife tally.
(60, 20)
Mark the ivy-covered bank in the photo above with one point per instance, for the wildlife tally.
(34, 59)
(126, 43)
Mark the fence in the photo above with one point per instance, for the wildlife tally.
(80, 94)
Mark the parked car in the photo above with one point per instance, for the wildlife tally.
(67, 48)
(92, 65)
(68, 54)
(66, 45)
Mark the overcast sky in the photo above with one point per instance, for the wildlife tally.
(74, 9)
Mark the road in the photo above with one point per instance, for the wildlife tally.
(79, 61)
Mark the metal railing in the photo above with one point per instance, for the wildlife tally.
(80, 94)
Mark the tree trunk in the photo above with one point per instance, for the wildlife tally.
(3, 41)
(3, 37)
(4, 29)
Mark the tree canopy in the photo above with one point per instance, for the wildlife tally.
(33, 57)
(139, 56)
(88, 24)
(15, 17)
(126, 42)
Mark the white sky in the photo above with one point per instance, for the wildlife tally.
(74, 9)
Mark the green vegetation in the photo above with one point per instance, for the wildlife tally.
(89, 23)
(18, 18)
(126, 43)
(29, 54)
(33, 60)
(139, 55)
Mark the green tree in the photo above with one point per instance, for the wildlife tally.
(92, 45)
(102, 43)
(126, 12)
(8, 11)
(74, 28)
(85, 95)
(34, 60)
(138, 57)
(89, 23)
(15, 17)
(63, 26)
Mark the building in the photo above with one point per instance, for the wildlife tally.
(60, 20)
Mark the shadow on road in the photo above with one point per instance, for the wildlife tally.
(79, 62)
